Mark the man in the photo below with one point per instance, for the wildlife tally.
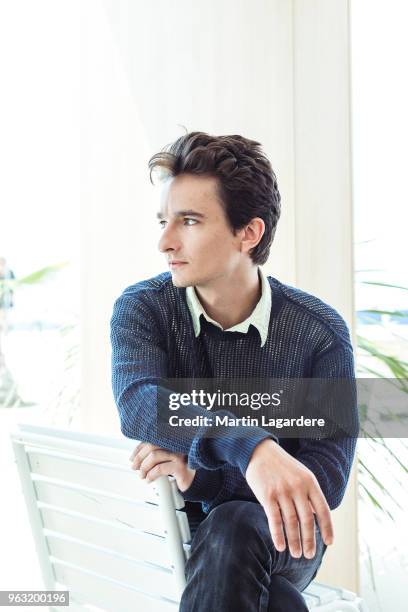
(267, 501)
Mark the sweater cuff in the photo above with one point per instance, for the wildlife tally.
(205, 486)
(237, 448)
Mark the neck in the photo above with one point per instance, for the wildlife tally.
(231, 299)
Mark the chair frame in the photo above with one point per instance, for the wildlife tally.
(68, 444)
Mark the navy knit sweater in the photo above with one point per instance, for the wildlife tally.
(152, 337)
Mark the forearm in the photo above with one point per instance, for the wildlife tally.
(139, 415)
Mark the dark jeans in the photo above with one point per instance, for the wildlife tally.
(234, 565)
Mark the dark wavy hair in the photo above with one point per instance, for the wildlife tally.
(247, 184)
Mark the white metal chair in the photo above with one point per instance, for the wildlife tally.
(115, 542)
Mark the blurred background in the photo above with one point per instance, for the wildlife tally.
(91, 90)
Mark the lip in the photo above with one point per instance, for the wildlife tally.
(177, 264)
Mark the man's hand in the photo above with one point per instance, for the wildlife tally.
(288, 490)
(153, 462)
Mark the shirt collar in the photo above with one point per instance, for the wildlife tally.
(259, 317)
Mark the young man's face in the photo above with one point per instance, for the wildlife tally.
(196, 239)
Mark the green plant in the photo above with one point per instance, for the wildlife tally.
(38, 276)
(382, 494)
(385, 366)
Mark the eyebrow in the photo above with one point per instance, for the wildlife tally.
(183, 213)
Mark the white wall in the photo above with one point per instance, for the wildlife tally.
(147, 69)
(276, 71)
(323, 205)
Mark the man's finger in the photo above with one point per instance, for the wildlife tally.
(144, 449)
(307, 527)
(135, 451)
(140, 447)
(275, 525)
(160, 469)
(153, 458)
(291, 521)
(323, 515)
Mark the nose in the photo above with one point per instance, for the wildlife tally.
(169, 240)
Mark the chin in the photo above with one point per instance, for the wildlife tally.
(180, 282)
(183, 280)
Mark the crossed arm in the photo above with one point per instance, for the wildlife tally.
(288, 492)
(291, 489)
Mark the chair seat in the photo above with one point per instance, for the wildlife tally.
(324, 598)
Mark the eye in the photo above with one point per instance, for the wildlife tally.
(190, 221)
(162, 223)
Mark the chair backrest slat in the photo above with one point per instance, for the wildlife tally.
(119, 479)
(120, 539)
(124, 511)
(149, 578)
(111, 595)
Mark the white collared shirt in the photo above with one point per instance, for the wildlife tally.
(259, 317)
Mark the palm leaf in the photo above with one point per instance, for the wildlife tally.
(379, 284)
(40, 275)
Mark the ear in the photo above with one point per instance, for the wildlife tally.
(252, 234)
